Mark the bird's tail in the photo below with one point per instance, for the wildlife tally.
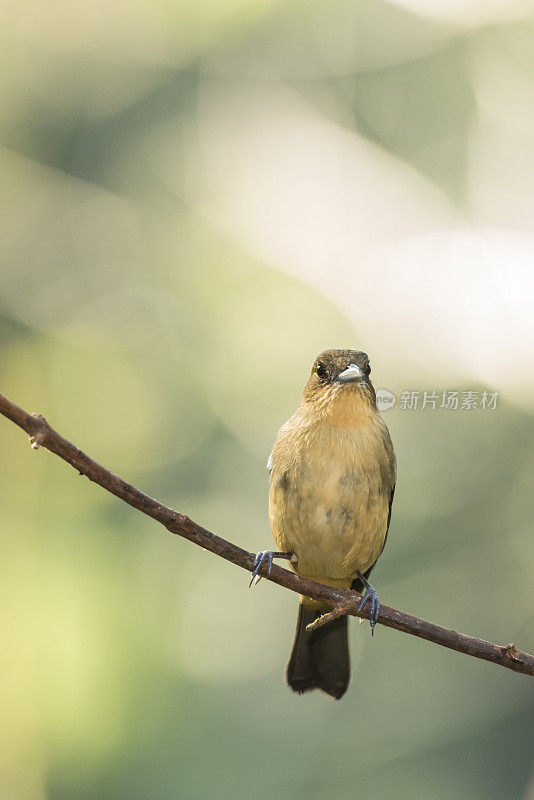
(319, 659)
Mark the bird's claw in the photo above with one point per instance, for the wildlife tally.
(261, 557)
(374, 606)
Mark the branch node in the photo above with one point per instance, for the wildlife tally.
(513, 652)
(37, 437)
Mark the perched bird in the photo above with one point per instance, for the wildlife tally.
(332, 480)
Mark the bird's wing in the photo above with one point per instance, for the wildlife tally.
(270, 465)
(356, 583)
(389, 520)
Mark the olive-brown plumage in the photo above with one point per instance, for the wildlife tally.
(332, 478)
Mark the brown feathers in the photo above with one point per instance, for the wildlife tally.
(332, 477)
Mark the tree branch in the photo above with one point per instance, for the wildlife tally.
(343, 601)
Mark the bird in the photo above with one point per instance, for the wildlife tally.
(332, 481)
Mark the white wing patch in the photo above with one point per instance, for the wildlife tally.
(270, 462)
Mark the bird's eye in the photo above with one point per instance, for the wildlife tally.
(321, 370)
(368, 370)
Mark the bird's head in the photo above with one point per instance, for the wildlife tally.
(340, 377)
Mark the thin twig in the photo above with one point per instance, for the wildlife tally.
(338, 611)
(343, 601)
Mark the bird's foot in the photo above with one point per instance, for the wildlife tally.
(262, 557)
(374, 605)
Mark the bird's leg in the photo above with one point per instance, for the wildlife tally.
(374, 605)
(261, 557)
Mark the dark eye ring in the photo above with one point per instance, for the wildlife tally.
(321, 370)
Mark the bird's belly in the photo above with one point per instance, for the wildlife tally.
(334, 525)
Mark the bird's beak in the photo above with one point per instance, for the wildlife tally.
(352, 373)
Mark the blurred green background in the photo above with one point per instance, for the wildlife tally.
(197, 199)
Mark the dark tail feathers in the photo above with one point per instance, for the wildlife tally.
(320, 659)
